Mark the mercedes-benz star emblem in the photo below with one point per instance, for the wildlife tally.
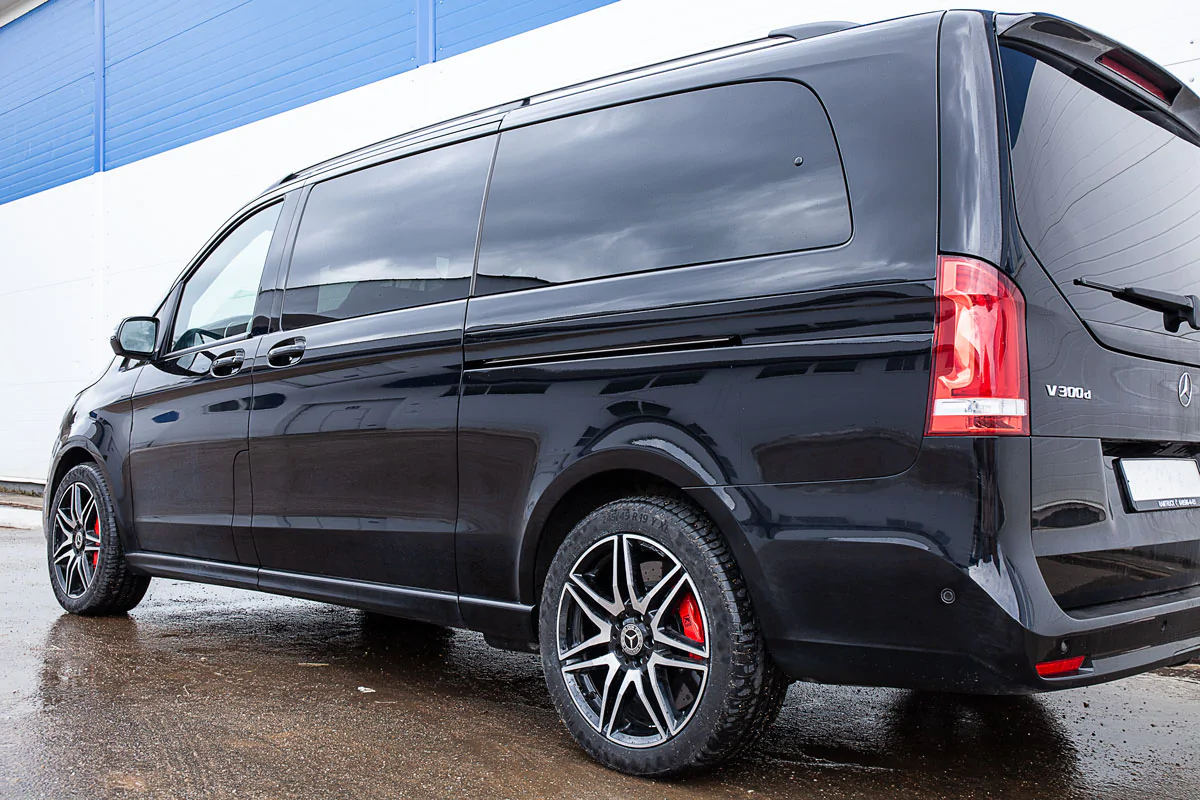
(1185, 390)
(631, 640)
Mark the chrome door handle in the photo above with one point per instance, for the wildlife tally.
(286, 353)
(228, 364)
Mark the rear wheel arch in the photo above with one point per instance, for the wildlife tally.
(564, 505)
(613, 474)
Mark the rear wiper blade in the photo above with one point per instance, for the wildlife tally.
(1176, 308)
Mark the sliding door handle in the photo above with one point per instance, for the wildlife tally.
(286, 353)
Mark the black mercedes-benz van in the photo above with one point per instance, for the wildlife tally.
(855, 354)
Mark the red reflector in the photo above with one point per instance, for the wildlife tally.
(1056, 669)
(1120, 64)
(980, 373)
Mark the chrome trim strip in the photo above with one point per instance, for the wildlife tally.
(608, 352)
(657, 69)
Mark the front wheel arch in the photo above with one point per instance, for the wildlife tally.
(68, 458)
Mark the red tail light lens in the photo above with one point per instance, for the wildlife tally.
(1058, 669)
(980, 369)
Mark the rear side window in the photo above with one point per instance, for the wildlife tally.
(387, 237)
(709, 175)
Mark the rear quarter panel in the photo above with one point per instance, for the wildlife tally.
(828, 376)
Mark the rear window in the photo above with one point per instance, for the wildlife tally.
(1101, 192)
(708, 175)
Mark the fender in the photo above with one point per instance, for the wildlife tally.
(103, 433)
(664, 451)
(115, 473)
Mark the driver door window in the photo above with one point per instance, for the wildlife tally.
(218, 299)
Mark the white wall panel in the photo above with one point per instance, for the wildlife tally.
(51, 317)
(77, 258)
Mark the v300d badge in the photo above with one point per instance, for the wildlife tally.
(1074, 392)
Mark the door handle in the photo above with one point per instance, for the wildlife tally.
(286, 353)
(228, 364)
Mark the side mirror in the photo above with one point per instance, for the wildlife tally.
(135, 338)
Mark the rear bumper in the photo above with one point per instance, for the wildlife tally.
(852, 581)
(1003, 662)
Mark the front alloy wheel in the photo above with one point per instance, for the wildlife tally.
(632, 640)
(88, 571)
(76, 542)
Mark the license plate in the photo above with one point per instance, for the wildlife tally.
(1159, 484)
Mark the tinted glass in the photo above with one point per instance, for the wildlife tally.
(1101, 192)
(218, 299)
(392, 236)
(691, 178)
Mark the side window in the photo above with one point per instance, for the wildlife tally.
(218, 298)
(708, 175)
(387, 237)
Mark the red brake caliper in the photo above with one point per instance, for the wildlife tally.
(689, 617)
(96, 555)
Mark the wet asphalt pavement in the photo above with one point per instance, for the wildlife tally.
(213, 692)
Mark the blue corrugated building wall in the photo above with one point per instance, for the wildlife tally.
(47, 98)
(87, 85)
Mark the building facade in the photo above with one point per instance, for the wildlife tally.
(130, 129)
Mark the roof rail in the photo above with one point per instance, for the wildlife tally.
(810, 29)
(654, 69)
(399, 138)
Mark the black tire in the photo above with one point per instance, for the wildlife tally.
(742, 691)
(103, 583)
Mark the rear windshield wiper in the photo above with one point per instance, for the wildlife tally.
(1176, 308)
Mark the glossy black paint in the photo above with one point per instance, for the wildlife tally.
(974, 163)
(426, 461)
(353, 449)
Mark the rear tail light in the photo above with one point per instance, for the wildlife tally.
(1061, 668)
(980, 374)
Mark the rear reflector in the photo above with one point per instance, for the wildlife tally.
(1058, 669)
(980, 370)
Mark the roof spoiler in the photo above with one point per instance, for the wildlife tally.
(1109, 61)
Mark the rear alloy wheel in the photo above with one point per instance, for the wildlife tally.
(88, 570)
(635, 661)
(651, 651)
